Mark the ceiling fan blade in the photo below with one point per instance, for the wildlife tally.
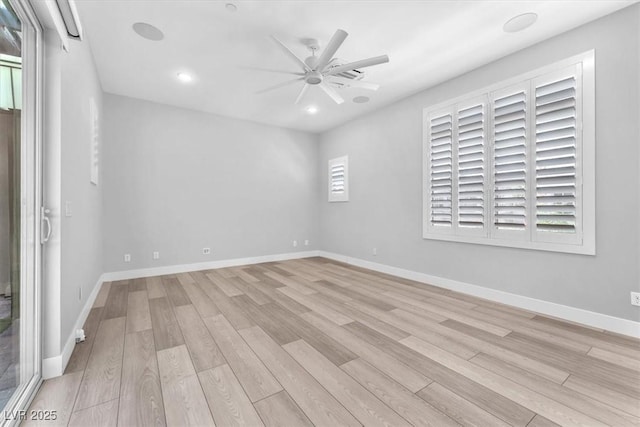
(283, 84)
(355, 83)
(331, 92)
(358, 64)
(292, 55)
(271, 70)
(331, 48)
(302, 92)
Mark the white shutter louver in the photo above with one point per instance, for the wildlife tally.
(441, 170)
(471, 166)
(510, 161)
(555, 148)
(339, 179)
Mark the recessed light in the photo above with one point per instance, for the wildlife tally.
(520, 22)
(312, 109)
(361, 99)
(231, 7)
(148, 31)
(185, 77)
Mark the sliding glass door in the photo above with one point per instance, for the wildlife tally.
(20, 204)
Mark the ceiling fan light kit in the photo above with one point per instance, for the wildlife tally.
(327, 72)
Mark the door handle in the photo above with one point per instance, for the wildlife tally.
(44, 238)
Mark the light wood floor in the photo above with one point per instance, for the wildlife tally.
(316, 342)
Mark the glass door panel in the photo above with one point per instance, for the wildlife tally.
(20, 201)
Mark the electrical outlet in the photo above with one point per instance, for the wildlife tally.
(374, 251)
(306, 243)
(80, 293)
(295, 243)
(156, 255)
(635, 298)
(127, 257)
(206, 251)
(68, 211)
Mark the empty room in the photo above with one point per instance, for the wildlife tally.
(319, 213)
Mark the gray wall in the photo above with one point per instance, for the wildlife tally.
(177, 181)
(385, 150)
(81, 237)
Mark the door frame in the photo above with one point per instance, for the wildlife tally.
(31, 185)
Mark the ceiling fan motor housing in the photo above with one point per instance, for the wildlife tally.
(313, 77)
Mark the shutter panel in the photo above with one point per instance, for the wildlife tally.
(556, 136)
(440, 177)
(471, 166)
(510, 160)
(337, 179)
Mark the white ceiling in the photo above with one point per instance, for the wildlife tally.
(427, 41)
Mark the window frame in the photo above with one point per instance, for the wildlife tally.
(585, 164)
(338, 197)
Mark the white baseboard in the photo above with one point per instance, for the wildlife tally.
(589, 318)
(55, 366)
(184, 268)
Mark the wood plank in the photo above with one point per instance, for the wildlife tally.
(536, 402)
(227, 400)
(225, 304)
(101, 381)
(204, 351)
(540, 421)
(425, 331)
(360, 402)
(490, 401)
(450, 314)
(613, 398)
(58, 394)
(330, 348)
(615, 358)
(166, 331)
(105, 414)
(201, 301)
(557, 392)
(138, 315)
(251, 290)
(283, 300)
(317, 306)
(318, 405)
(461, 410)
(137, 285)
(103, 294)
(280, 410)
(116, 305)
(140, 392)
(263, 317)
(224, 284)
(406, 404)
(252, 374)
(81, 351)
(176, 294)
(155, 289)
(292, 282)
(403, 374)
(180, 385)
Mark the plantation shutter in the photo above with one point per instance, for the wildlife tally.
(338, 179)
(471, 166)
(510, 161)
(440, 171)
(556, 155)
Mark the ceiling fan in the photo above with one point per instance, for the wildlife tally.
(324, 69)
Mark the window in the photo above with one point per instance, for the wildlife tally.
(513, 165)
(339, 179)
